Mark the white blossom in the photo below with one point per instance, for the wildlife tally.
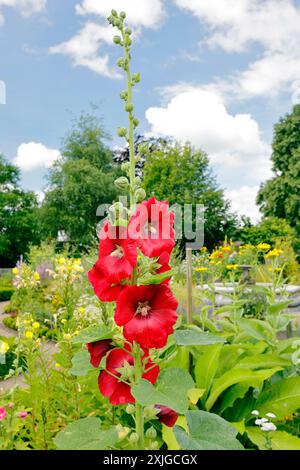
(268, 427)
(255, 412)
(271, 415)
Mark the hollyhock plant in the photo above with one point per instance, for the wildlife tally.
(114, 382)
(147, 313)
(117, 253)
(104, 289)
(152, 226)
(98, 350)
(166, 415)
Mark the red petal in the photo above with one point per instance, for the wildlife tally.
(167, 416)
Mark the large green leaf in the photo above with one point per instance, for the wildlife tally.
(280, 440)
(281, 398)
(86, 434)
(195, 337)
(257, 329)
(81, 364)
(207, 431)
(263, 361)
(206, 367)
(170, 390)
(93, 334)
(233, 393)
(234, 376)
(156, 279)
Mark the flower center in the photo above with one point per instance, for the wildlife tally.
(149, 229)
(118, 252)
(143, 309)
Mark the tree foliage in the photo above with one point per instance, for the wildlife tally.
(18, 216)
(268, 230)
(181, 174)
(279, 196)
(79, 182)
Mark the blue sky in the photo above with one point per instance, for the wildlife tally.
(217, 73)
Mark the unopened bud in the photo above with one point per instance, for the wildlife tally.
(122, 132)
(134, 438)
(117, 40)
(143, 148)
(140, 195)
(114, 13)
(130, 409)
(128, 31)
(125, 166)
(118, 23)
(123, 15)
(135, 122)
(124, 95)
(154, 445)
(120, 63)
(151, 433)
(122, 182)
(129, 107)
(136, 77)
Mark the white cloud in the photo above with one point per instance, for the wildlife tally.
(84, 48)
(32, 155)
(25, 7)
(40, 196)
(243, 201)
(233, 143)
(146, 13)
(273, 24)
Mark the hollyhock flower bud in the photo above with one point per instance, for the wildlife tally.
(140, 195)
(147, 313)
(134, 438)
(122, 183)
(23, 414)
(151, 433)
(166, 415)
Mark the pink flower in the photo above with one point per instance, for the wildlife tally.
(10, 405)
(23, 414)
(3, 413)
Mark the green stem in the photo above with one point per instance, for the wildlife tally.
(139, 421)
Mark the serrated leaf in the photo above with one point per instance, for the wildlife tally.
(170, 390)
(207, 431)
(281, 398)
(196, 337)
(280, 440)
(93, 334)
(81, 364)
(86, 434)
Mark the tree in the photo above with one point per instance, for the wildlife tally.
(279, 196)
(18, 216)
(181, 174)
(78, 183)
(268, 231)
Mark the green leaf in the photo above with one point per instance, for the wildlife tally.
(207, 431)
(237, 375)
(263, 361)
(195, 337)
(81, 364)
(281, 398)
(170, 390)
(194, 394)
(280, 440)
(233, 393)
(257, 329)
(206, 367)
(86, 434)
(93, 334)
(274, 309)
(168, 433)
(156, 279)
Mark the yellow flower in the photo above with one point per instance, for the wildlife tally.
(38, 342)
(226, 249)
(61, 260)
(63, 321)
(201, 269)
(219, 262)
(36, 276)
(77, 261)
(81, 310)
(57, 365)
(29, 334)
(274, 253)
(15, 271)
(36, 325)
(232, 266)
(263, 246)
(67, 336)
(4, 347)
(76, 333)
(212, 262)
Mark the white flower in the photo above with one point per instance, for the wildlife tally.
(271, 415)
(255, 412)
(268, 427)
(261, 421)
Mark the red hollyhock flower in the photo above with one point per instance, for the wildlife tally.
(98, 350)
(117, 253)
(148, 314)
(119, 392)
(104, 289)
(152, 226)
(164, 260)
(166, 415)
